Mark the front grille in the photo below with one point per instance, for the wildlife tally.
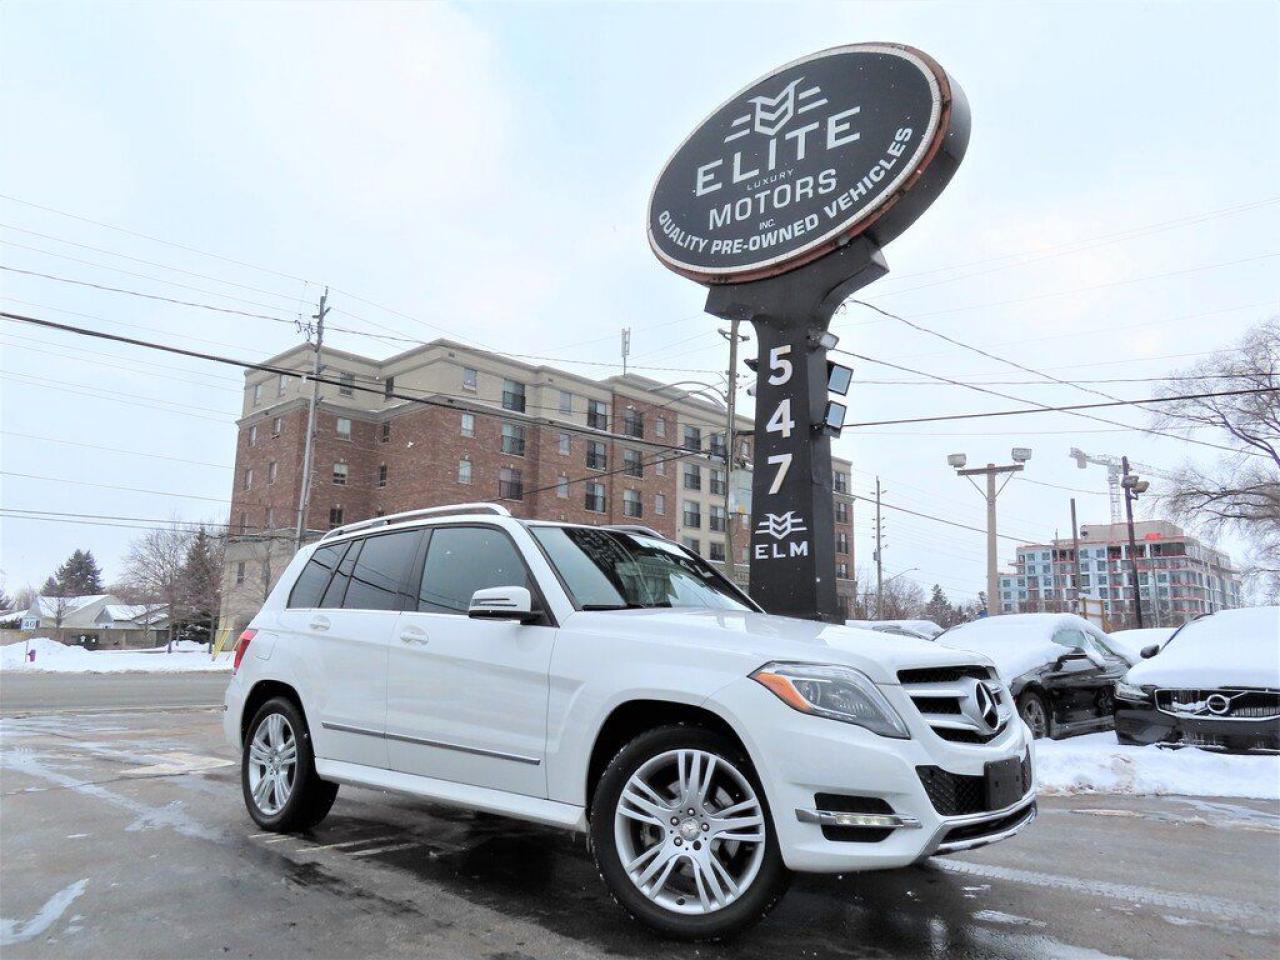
(958, 794)
(941, 693)
(1223, 703)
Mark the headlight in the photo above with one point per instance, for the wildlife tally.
(1128, 691)
(839, 693)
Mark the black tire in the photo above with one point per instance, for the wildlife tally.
(310, 798)
(769, 883)
(1029, 701)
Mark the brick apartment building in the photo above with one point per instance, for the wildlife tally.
(532, 437)
(1178, 576)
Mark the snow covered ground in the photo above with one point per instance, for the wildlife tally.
(54, 657)
(1096, 763)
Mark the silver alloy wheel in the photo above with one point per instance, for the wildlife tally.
(1034, 715)
(690, 831)
(273, 762)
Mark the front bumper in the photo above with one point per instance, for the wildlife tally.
(1144, 724)
(844, 799)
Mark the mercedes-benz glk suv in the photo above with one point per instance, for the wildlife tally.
(609, 681)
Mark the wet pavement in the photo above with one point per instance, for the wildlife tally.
(124, 835)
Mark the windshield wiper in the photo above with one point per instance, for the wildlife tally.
(629, 605)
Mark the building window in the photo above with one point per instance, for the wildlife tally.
(257, 394)
(842, 542)
(719, 519)
(469, 378)
(513, 396)
(692, 514)
(340, 474)
(660, 467)
(271, 472)
(692, 437)
(344, 428)
(717, 551)
(335, 517)
(631, 504)
(510, 484)
(566, 403)
(464, 470)
(597, 455)
(277, 426)
(271, 518)
(660, 504)
(840, 482)
(633, 423)
(253, 435)
(468, 428)
(842, 512)
(594, 499)
(566, 444)
(382, 475)
(597, 415)
(248, 478)
(282, 384)
(717, 446)
(693, 543)
(244, 523)
(513, 439)
(692, 476)
(660, 427)
(346, 384)
(562, 487)
(633, 463)
(842, 571)
(389, 387)
(385, 436)
(239, 573)
(719, 485)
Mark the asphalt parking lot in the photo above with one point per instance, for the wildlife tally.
(124, 835)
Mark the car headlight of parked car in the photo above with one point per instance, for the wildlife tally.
(838, 693)
(1132, 692)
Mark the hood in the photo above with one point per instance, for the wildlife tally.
(1234, 648)
(760, 637)
(1012, 659)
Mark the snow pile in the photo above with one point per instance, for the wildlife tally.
(1096, 763)
(1231, 648)
(54, 657)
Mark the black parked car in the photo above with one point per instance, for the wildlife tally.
(1059, 667)
(1215, 684)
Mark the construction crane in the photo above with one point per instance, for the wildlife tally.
(1114, 474)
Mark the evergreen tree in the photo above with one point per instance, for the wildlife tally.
(79, 576)
(201, 579)
(939, 608)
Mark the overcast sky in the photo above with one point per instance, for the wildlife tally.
(483, 171)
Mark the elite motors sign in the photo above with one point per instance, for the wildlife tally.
(853, 140)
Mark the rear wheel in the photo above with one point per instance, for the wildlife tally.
(682, 835)
(1035, 713)
(277, 771)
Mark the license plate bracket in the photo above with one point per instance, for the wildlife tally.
(1003, 783)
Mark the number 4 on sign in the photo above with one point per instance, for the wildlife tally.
(783, 460)
(781, 421)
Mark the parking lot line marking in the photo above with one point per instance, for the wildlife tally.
(391, 849)
(345, 843)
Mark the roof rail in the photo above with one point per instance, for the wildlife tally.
(453, 509)
(636, 528)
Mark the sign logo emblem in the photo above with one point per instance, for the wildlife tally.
(1218, 704)
(781, 526)
(770, 114)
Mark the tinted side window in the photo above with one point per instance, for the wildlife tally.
(462, 560)
(338, 585)
(315, 576)
(381, 571)
(1069, 637)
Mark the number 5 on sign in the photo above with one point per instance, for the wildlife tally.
(783, 460)
(779, 366)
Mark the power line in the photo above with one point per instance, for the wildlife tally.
(132, 453)
(150, 404)
(929, 516)
(108, 486)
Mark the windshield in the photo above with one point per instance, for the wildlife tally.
(611, 570)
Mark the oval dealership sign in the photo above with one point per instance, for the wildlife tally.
(852, 140)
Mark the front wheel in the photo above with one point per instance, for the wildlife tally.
(278, 774)
(682, 835)
(1035, 713)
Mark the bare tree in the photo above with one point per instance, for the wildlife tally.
(153, 569)
(1239, 493)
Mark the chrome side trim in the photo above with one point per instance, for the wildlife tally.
(881, 821)
(422, 741)
(976, 842)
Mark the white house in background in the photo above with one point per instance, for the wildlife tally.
(102, 620)
(66, 613)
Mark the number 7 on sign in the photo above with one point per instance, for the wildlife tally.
(783, 460)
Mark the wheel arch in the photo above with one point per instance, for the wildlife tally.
(260, 693)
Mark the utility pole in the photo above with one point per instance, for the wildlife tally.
(1020, 456)
(879, 557)
(304, 493)
(1075, 555)
(1132, 487)
(731, 403)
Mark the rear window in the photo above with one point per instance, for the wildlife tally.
(377, 582)
(315, 576)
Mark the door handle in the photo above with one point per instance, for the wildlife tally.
(415, 635)
(320, 623)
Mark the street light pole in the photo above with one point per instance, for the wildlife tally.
(1020, 456)
(1132, 487)
(731, 389)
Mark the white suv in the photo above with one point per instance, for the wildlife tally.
(606, 680)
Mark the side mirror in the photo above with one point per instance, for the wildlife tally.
(503, 603)
(1149, 651)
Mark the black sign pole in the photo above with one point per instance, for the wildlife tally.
(792, 552)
